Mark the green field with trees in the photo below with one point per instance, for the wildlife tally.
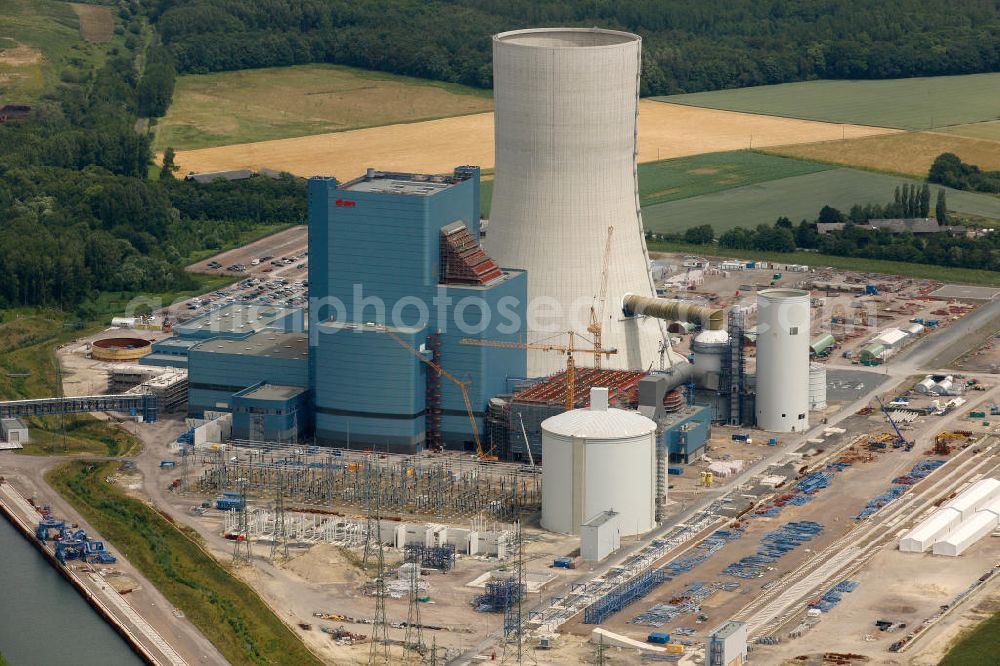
(913, 103)
(40, 46)
(688, 45)
(227, 611)
(798, 197)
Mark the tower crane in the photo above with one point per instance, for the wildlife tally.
(463, 386)
(597, 309)
(567, 349)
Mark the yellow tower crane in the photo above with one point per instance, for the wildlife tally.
(463, 386)
(567, 349)
(597, 309)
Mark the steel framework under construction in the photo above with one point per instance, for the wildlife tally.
(443, 486)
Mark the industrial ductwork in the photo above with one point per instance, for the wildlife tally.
(711, 319)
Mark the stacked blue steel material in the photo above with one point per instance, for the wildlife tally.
(774, 545)
(805, 489)
(186, 437)
(712, 544)
(920, 471)
(689, 601)
(834, 596)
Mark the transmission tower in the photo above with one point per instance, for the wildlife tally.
(372, 528)
(414, 639)
(241, 549)
(184, 469)
(279, 541)
(379, 648)
(513, 622)
(600, 657)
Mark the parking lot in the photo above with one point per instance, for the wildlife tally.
(273, 271)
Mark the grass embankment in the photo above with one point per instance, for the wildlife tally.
(814, 260)
(280, 102)
(917, 103)
(226, 610)
(977, 648)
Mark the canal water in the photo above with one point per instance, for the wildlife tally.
(43, 619)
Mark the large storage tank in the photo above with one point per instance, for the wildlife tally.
(598, 459)
(709, 348)
(783, 360)
(566, 104)
(817, 386)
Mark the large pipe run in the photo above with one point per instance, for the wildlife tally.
(711, 319)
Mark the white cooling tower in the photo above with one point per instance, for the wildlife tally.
(566, 109)
(783, 360)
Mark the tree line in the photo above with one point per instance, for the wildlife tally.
(688, 45)
(857, 239)
(949, 170)
(78, 213)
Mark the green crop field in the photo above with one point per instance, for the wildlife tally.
(918, 103)
(979, 646)
(671, 180)
(798, 197)
(683, 177)
(281, 102)
(39, 42)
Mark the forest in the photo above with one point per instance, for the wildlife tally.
(78, 212)
(688, 45)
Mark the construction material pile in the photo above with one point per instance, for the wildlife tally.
(773, 546)
(920, 471)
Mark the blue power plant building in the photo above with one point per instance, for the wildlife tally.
(397, 278)
(397, 273)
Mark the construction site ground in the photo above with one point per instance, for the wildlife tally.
(326, 579)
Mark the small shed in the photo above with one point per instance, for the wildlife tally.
(13, 431)
(600, 536)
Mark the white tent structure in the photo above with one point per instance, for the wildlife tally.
(968, 533)
(930, 530)
(980, 494)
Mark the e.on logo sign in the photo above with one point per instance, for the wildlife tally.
(344, 203)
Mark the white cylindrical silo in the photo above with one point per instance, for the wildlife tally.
(782, 403)
(596, 460)
(566, 104)
(708, 348)
(817, 386)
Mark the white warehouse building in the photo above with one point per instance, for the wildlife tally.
(597, 460)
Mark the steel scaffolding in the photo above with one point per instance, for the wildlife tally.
(623, 595)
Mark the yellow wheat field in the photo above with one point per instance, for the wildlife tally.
(436, 146)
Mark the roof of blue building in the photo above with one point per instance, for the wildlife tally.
(267, 344)
(413, 184)
(272, 392)
(236, 320)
